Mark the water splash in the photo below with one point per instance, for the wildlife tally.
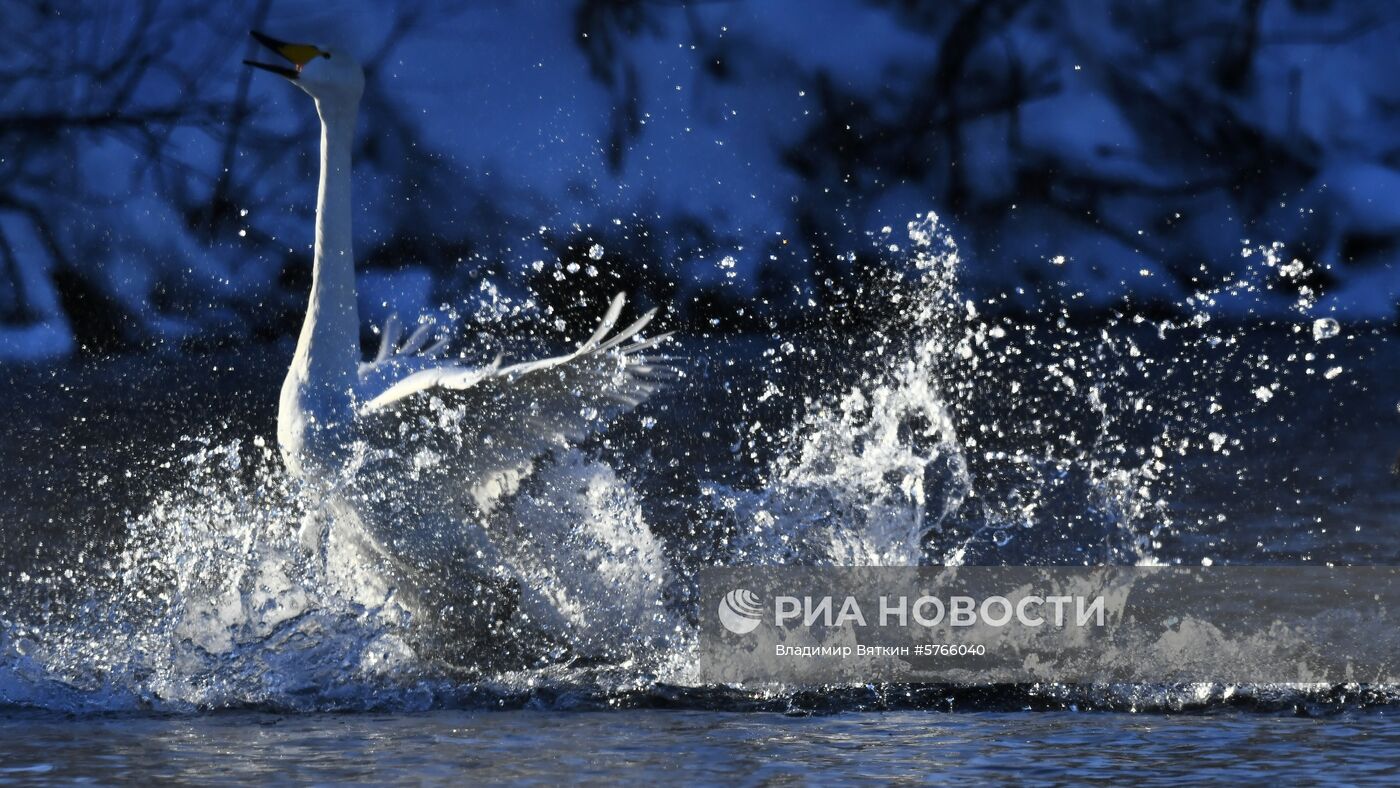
(964, 435)
(216, 602)
(964, 438)
(864, 478)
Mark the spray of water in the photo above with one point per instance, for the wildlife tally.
(962, 438)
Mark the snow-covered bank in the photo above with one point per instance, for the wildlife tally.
(722, 156)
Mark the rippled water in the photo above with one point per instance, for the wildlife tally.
(154, 560)
(757, 748)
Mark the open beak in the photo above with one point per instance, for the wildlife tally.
(296, 54)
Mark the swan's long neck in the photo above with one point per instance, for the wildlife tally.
(330, 337)
(316, 396)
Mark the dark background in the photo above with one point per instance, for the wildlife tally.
(735, 160)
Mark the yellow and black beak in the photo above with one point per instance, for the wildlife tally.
(296, 54)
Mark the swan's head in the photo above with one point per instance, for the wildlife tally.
(324, 74)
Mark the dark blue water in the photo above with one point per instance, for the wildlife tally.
(968, 748)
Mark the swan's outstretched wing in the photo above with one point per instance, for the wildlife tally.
(482, 428)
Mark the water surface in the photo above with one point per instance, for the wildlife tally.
(757, 748)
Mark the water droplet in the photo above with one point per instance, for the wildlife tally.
(1325, 328)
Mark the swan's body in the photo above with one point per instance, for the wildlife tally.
(428, 447)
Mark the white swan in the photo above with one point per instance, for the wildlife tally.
(444, 443)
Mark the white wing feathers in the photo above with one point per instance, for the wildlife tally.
(416, 344)
(487, 425)
(396, 359)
